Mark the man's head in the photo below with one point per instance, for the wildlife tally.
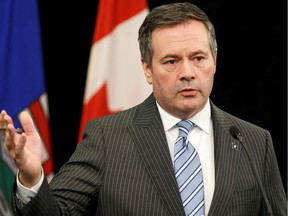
(169, 15)
(179, 49)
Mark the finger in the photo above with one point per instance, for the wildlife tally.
(11, 139)
(2, 121)
(17, 152)
(19, 149)
(10, 131)
(3, 112)
(27, 122)
(5, 120)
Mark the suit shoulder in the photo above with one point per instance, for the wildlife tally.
(121, 116)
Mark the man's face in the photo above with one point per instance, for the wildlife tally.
(183, 68)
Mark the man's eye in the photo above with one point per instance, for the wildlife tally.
(199, 58)
(172, 61)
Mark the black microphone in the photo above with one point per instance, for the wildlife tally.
(235, 132)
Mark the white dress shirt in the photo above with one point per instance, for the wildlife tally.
(201, 137)
(25, 194)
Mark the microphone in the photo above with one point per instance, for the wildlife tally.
(235, 132)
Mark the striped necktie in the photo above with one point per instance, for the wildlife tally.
(188, 172)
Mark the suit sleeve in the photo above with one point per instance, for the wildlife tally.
(74, 189)
(273, 181)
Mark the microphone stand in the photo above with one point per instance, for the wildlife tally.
(238, 136)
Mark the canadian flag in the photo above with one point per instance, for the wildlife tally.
(115, 79)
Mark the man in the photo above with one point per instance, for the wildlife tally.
(125, 163)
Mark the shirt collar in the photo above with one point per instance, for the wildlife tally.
(201, 119)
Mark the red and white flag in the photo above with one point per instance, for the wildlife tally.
(115, 79)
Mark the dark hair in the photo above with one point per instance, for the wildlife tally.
(170, 15)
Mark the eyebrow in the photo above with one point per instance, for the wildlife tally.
(193, 53)
(170, 56)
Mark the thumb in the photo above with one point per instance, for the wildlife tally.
(27, 122)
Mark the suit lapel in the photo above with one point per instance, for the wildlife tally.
(226, 162)
(148, 134)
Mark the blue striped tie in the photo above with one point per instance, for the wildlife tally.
(188, 172)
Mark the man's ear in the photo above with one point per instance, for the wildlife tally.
(147, 72)
(215, 59)
(215, 56)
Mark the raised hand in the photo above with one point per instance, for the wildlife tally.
(24, 148)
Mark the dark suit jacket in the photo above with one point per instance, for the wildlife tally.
(123, 167)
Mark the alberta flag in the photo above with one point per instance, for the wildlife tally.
(115, 79)
(22, 84)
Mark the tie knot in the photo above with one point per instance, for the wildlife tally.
(184, 127)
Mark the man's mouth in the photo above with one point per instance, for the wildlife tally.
(188, 92)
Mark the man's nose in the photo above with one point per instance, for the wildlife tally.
(187, 70)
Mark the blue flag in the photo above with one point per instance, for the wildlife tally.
(22, 83)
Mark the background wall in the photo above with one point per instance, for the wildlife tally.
(250, 82)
